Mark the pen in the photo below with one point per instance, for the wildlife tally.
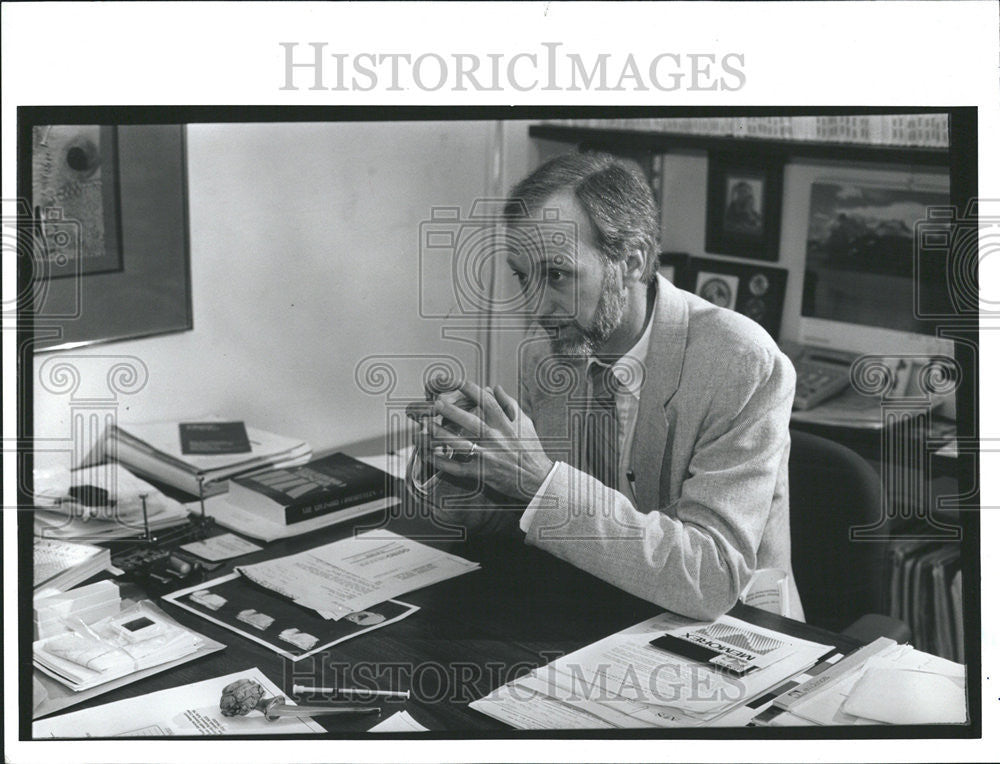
(630, 475)
(298, 689)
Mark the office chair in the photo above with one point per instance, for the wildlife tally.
(840, 581)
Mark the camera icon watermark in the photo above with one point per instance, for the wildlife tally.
(471, 252)
(46, 246)
(951, 255)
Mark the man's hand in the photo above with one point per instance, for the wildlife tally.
(507, 457)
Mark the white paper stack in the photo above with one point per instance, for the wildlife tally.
(63, 564)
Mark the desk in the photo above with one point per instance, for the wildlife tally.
(521, 610)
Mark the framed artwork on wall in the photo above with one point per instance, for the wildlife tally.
(756, 291)
(75, 194)
(109, 230)
(743, 216)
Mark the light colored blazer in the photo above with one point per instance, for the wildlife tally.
(710, 460)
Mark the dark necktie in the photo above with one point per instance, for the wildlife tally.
(600, 457)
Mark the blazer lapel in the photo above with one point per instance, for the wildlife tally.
(664, 362)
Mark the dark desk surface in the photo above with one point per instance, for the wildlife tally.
(473, 633)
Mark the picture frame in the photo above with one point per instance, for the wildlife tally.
(150, 293)
(743, 212)
(673, 267)
(756, 291)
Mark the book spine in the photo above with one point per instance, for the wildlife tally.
(296, 513)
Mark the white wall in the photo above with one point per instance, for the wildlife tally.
(304, 260)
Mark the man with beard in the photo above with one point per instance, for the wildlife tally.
(649, 445)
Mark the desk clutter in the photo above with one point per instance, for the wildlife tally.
(301, 604)
(668, 672)
(664, 672)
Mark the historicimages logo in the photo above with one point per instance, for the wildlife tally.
(549, 67)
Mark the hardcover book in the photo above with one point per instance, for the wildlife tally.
(322, 486)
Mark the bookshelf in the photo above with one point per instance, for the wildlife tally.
(780, 148)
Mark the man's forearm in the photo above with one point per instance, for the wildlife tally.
(695, 567)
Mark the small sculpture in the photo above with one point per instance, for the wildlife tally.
(245, 695)
(240, 697)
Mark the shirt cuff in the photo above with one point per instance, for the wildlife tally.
(529, 512)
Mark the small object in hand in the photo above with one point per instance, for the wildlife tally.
(245, 695)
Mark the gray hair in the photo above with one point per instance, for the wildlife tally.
(612, 191)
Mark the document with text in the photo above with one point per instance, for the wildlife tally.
(350, 575)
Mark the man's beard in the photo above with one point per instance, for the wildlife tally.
(574, 340)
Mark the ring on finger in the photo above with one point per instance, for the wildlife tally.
(465, 456)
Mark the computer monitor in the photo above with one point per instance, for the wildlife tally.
(858, 289)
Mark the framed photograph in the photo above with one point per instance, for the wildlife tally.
(74, 184)
(756, 291)
(743, 217)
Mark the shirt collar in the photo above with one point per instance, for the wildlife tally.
(630, 369)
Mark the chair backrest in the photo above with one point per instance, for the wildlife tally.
(831, 490)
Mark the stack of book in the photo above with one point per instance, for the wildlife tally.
(155, 451)
(873, 129)
(62, 565)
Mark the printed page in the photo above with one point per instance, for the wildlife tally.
(355, 573)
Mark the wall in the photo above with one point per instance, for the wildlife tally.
(304, 260)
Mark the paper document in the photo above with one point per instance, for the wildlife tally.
(907, 686)
(223, 547)
(191, 709)
(355, 573)
(622, 681)
(401, 721)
